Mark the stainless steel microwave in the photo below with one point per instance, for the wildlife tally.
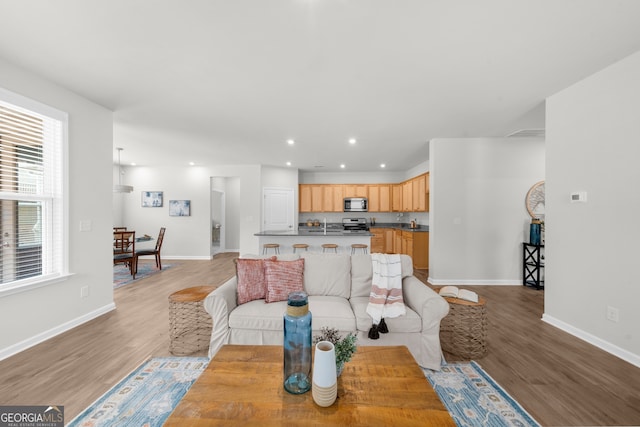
(356, 204)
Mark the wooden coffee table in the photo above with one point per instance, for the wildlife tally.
(242, 385)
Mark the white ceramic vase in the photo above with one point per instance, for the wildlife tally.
(325, 381)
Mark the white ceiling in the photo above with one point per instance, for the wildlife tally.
(228, 82)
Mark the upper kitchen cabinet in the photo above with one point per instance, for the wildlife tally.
(311, 198)
(408, 196)
(379, 198)
(396, 198)
(355, 190)
(332, 198)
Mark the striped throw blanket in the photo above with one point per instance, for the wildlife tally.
(385, 299)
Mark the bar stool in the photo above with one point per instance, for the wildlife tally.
(330, 246)
(267, 246)
(357, 246)
(300, 246)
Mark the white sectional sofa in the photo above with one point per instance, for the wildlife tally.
(338, 286)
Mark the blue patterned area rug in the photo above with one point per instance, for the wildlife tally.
(473, 398)
(147, 396)
(122, 276)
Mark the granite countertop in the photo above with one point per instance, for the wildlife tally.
(400, 226)
(313, 232)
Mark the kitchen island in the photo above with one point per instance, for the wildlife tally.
(315, 238)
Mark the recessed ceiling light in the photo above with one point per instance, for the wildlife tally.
(191, 163)
(382, 165)
(288, 163)
(352, 141)
(290, 141)
(342, 166)
(133, 163)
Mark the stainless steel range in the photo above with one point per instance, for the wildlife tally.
(355, 225)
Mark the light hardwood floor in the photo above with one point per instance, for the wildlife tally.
(558, 379)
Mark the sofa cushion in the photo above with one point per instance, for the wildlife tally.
(258, 315)
(251, 280)
(361, 275)
(283, 277)
(333, 312)
(327, 274)
(410, 322)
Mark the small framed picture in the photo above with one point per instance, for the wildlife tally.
(152, 199)
(179, 207)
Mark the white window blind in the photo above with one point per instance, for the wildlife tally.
(31, 191)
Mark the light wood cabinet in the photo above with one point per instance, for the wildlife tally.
(305, 198)
(408, 196)
(379, 198)
(416, 245)
(396, 198)
(351, 190)
(377, 240)
(332, 199)
(389, 240)
(421, 250)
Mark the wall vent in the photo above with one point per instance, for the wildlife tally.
(527, 133)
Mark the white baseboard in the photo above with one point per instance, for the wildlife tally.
(181, 257)
(37, 339)
(623, 354)
(466, 282)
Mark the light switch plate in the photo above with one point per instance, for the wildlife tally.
(85, 225)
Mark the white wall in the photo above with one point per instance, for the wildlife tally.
(593, 131)
(190, 237)
(478, 218)
(33, 316)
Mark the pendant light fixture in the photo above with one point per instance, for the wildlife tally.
(119, 188)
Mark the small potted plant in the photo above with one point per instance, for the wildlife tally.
(344, 346)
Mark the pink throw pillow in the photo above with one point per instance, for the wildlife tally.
(251, 280)
(283, 277)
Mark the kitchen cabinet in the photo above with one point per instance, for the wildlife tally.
(379, 198)
(416, 245)
(421, 250)
(304, 194)
(419, 193)
(377, 240)
(332, 198)
(355, 190)
(396, 198)
(407, 196)
(388, 240)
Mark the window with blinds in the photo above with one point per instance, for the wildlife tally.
(31, 191)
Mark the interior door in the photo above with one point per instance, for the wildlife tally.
(277, 209)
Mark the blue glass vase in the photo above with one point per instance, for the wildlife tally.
(297, 344)
(535, 230)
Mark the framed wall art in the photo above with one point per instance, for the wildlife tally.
(179, 207)
(152, 199)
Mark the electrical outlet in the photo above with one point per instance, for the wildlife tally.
(84, 292)
(613, 314)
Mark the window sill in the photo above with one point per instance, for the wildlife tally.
(28, 285)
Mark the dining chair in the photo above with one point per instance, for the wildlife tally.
(155, 252)
(124, 250)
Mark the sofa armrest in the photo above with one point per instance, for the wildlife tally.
(431, 308)
(219, 304)
(420, 297)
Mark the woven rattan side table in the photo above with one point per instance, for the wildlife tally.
(463, 331)
(189, 323)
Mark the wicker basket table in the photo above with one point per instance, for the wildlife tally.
(463, 331)
(189, 324)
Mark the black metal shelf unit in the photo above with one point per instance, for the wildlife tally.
(533, 265)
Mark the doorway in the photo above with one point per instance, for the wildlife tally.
(217, 222)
